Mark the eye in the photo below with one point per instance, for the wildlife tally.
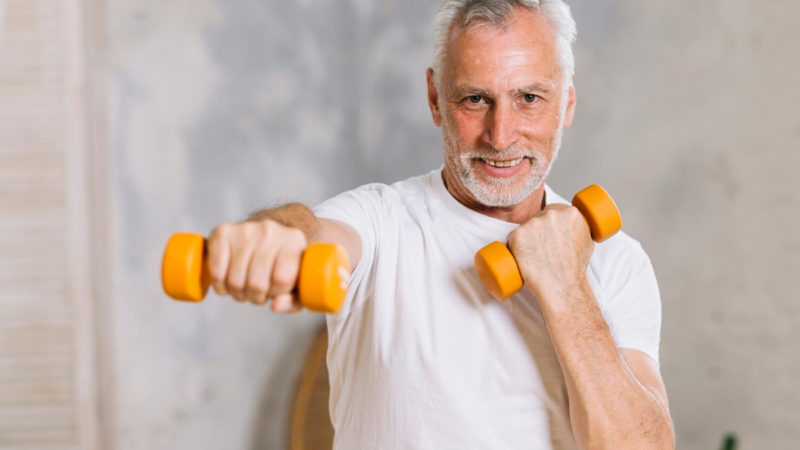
(475, 99)
(530, 98)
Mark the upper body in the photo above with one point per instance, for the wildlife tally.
(421, 355)
(501, 90)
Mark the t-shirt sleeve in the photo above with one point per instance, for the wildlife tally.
(632, 304)
(363, 209)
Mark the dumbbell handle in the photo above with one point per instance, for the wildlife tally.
(497, 267)
(321, 286)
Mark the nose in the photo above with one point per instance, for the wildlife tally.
(502, 126)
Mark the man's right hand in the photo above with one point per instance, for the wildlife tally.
(255, 261)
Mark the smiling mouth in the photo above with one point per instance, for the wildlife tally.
(502, 164)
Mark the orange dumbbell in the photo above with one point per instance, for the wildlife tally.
(321, 285)
(497, 268)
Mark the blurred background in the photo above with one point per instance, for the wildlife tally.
(122, 121)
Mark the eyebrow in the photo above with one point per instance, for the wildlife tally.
(541, 88)
(466, 89)
(536, 87)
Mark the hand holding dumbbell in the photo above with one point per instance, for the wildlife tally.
(321, 284)
(497, 267)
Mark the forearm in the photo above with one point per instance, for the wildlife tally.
(609, 406)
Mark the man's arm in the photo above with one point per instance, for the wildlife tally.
(259, 259)
(616, 397)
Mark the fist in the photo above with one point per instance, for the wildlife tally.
(552, 249)
(255, 261)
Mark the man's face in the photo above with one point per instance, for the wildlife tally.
(502, 106)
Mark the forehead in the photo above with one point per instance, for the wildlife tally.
(524, 46)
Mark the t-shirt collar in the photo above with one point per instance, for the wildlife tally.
(473, 218)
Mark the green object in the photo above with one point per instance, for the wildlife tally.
(730, 442)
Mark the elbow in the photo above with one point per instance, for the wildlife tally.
(665, 442)
(668, 439)
(629, 434)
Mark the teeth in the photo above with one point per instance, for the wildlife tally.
(511, 163)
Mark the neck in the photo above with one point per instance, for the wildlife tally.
(519, 213)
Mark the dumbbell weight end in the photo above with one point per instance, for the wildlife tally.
(184, 275)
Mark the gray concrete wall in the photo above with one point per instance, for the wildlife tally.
(686, 113)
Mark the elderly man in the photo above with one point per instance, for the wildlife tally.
(421, 356)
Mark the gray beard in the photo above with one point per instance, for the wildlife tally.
(496, 192)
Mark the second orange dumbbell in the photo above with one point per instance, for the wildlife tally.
(497, 268)
(321, 285)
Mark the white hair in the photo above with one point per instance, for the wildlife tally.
(496, 12)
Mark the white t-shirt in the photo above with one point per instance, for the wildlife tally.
(422, 357)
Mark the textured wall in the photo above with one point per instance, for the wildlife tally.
(687, 113)
(219, 107)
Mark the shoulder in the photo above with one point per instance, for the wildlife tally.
(408, 194)
(414, 187)
(621, 265)
(420, 186)
(617, 254)
(375, 201)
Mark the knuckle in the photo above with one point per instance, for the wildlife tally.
(257, 286)
(218, 288)
(215, 275)
(254, 294)
(282, 279)
(214, 269)
(237, 294)
(249, 229)
(236, 286)
(577, 219)
(574, 212)
(265, 228)
(297, 236)
(221, 231)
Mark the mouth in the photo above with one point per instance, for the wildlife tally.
(502, 164)
(501, 168)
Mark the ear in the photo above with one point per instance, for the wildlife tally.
(433, 98)
(569, 114)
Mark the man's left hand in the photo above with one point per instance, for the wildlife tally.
(552, 250)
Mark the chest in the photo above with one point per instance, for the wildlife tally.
(429, 309)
